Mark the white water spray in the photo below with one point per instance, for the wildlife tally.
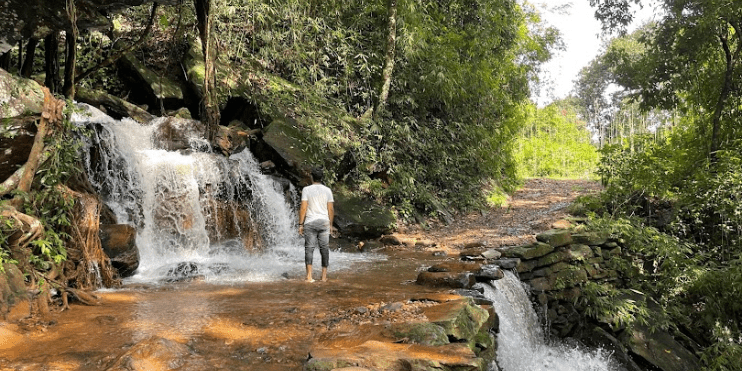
(522, 345)
(178, 200)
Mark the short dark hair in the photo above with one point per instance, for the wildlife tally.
(317, 174)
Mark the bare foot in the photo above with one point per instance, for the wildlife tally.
(324, 279)
(309, 280)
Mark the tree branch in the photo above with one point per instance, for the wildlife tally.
(114, 57)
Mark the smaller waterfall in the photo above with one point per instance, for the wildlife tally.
(522, 345)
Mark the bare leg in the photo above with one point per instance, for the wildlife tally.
(324, 274)
(309, 273)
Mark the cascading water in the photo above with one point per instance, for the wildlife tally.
(522, 345)
(196, 213)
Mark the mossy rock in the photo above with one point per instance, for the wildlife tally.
(555, 237)
(19, 96)
(156, 84)
(528, 252)
(461, 319)
(424, 333)
(359, 217)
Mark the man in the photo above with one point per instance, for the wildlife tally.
(316, 215)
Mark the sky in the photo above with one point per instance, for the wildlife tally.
(581, 34)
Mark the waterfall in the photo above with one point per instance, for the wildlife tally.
(522, 345)
(197, 214)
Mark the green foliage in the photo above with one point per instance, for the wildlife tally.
(608, 304)
(462, 69)
(555, 143)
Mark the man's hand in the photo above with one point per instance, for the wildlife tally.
(334, 232)
(301, 230)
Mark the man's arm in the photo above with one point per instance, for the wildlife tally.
(302, 215)
(331, 215)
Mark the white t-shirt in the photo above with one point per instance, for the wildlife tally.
(317, 197)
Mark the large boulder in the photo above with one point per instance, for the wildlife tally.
(155, 88)
(175, 134)
(16, 141)
(119, 243)
(19, 96)
(461, 319)
(358, 217)
(660, 349)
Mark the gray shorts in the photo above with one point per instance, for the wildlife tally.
(317, 233)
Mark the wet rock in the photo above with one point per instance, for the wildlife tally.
(555, 237)
(184, 271)
(446, 279)
(476, 295)
(455, 266)
(119, 243)
(489, 273)
(390, 240)
(370, 245)
(178, 134)
(155, 354)
(527, 252)
(597, 337)
(462, 319)
(440, 253)
(506, 263)
(234, 139)
(377, 355)
(424, 333)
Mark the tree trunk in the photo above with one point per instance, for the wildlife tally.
(209, 104)
(71, 54)
(52, 114)
(388, 56)
(20, 56)
(51, 66)
(27, 68)
(724, 94)
(5, 60)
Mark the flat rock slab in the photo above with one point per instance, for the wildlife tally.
(555, 237)
(453, 280)
(376, 355)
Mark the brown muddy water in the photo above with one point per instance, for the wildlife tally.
(207, 326)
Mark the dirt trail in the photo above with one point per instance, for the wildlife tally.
(532, 209)
(270, 326)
